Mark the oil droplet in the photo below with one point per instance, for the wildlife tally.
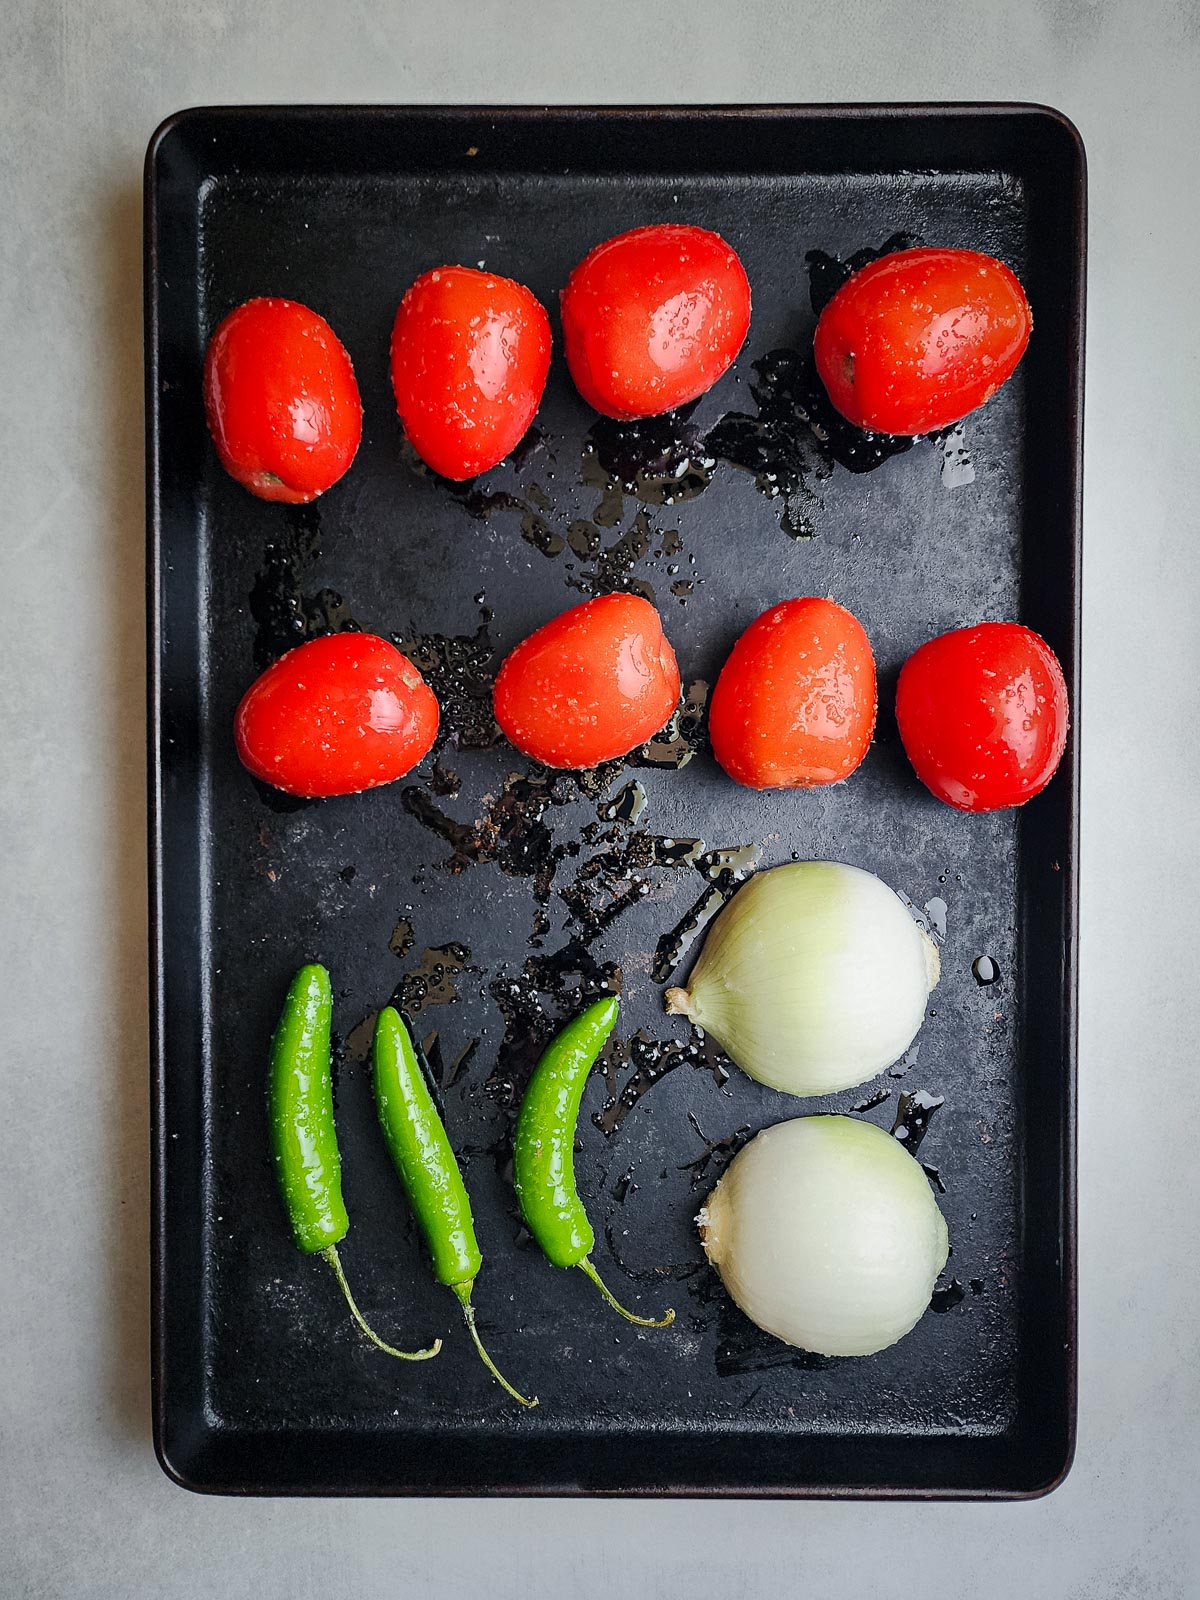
(283, 614)
(721, 1151)
(872, 1100)
(624, 1186)
(651, 1060)
(726, 871)
(958, 470)
(913, 1116)
(907, 1060)
(936, 910)
(948, 1296)
(627, 805)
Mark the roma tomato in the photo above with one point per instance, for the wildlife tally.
(915, 340)
(652, 318)
(591, 684)
(339, 714)
(794, 706)
(470, 357)
(983, 715)
(282, 403)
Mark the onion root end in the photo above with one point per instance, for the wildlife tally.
(678, 1002)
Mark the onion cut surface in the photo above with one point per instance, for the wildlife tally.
(826, 1233)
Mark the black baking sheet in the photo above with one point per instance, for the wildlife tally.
(492, 896)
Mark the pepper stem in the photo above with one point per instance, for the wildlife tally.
(463, 1291)
(586, 1267)
(330, 1254)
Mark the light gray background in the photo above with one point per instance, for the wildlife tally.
(84, 1509)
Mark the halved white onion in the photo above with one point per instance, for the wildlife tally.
(813, 978)
(826, 1233)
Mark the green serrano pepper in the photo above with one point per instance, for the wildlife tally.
(544, 1149)
(304, 1138)
(416, 1138)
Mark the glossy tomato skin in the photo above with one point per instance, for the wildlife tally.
(282, 401)
(917, 339)
(983, 715)
(794, 706)
(590, 685)
(652, 318)
(336, 715)
(470, 358)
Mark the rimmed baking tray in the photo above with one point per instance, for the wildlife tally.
(489, 897)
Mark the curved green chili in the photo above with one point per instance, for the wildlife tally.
(416, 1138)
(544, 1149)
(304, 1138)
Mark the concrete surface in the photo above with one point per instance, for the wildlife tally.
(84, 1509)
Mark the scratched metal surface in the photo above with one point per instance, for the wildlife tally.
(491, 898)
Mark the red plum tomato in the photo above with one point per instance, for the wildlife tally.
(336, 715)
(652, 318)
(983, 715)
(590, 685)
(794, 706)
(282, 402)
(917, 339)
(470, 357)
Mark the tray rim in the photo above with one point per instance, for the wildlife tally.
(841, 112)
